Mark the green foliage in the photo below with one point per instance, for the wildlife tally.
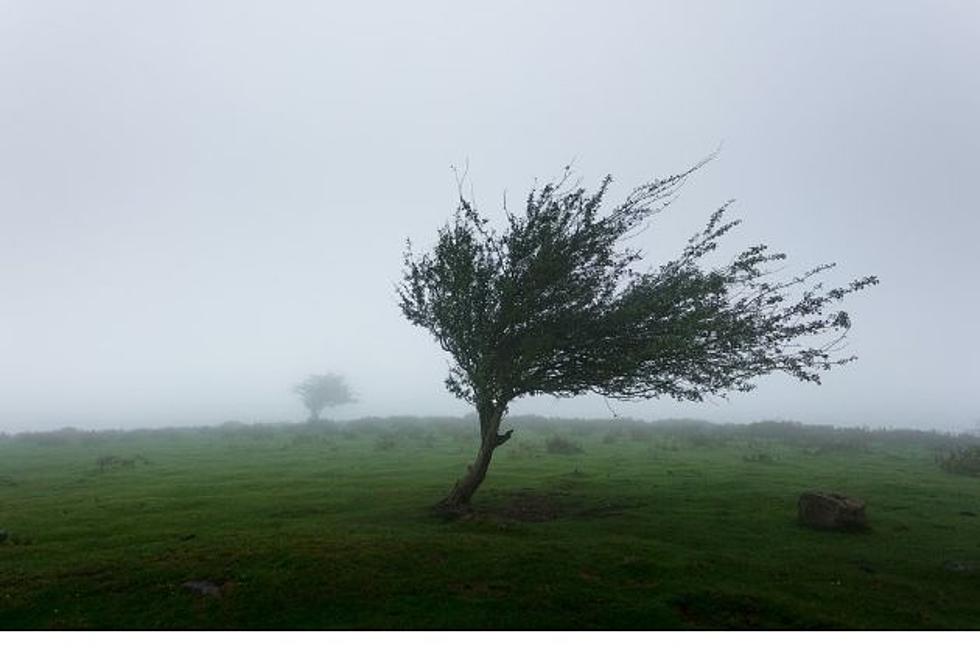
(554, 304)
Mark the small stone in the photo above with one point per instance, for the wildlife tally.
(866, 567)
(959, 566)
(202, 587)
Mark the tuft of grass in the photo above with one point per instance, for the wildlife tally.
(385, 442)
(105, 463)
(759, 457)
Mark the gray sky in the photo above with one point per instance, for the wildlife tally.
(202, 202)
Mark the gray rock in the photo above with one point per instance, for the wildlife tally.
(831, 511)
(202, 587)
(960, 566)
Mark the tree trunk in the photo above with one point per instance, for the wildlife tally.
(458, 500)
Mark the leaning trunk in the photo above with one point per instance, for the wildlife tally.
(458, 499)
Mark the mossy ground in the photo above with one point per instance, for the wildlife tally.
(309, 530)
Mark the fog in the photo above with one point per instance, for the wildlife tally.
(201, 203)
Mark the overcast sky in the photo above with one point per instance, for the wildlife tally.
(202, 202)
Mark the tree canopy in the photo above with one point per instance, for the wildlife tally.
(319, 391)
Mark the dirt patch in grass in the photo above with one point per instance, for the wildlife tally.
(481, 589)
(531, 506)
(714, 610)
(540, 506)
(299, 512)
(607, 509)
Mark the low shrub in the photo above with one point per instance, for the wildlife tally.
(522, 449)
(559, 445)
(816, 447)
(964, 460)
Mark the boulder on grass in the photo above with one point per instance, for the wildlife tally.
(831, 511)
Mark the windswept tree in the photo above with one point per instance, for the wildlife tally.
(319, 391)
(554, 304)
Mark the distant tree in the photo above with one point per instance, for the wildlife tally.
(553, 305)
(319, 391)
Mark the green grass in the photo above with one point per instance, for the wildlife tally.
(316, 530)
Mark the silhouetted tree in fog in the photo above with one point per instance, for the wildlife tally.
(319, 391)
(553, 305)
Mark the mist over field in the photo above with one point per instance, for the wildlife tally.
(289, 292)
(203, 203)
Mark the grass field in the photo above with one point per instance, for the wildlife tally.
(651, 526)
